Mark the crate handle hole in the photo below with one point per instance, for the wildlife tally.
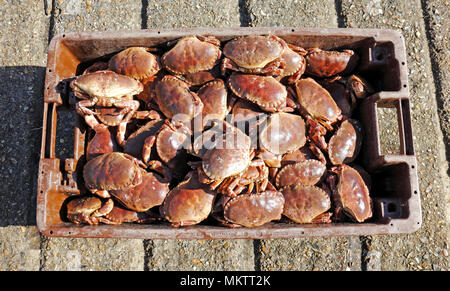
(379, 56)
(391, 207)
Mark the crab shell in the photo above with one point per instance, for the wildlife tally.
(136, 140)
(112, 171)
(151, 192)
(110, 116)
(201, 77)
(308, 172)
(188, 203)
(170, 143)
(317, 101)
(338, 90)
(221, 135)
(294, 63)
(284, 133)
(265, 91)
(253, 210)
(176, 100)
(119, 215)
(345, 143)
(359, 87)
(86, 209)
(192, 54)
(306, 204)
(220, 163)
(103, 142)
(106, 84)
(253, 51)
(322, 63)
(135, 62)
(353, 193)
(214, 98)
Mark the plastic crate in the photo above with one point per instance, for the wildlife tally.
(395, 191)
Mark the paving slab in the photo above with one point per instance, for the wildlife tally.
(197, 13)
(201, 255)
(302, 254)
(19, 248)
(80, 254)
(311, 254)
(98, 15)
(427, 248)
(90, 254)
(291, 13)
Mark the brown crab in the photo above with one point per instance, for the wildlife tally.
(249, 118)
(323, 63)
(135, 142)
(345, 143)
(295, 63)
(255, 54)
(175, 100)
(284, 132)
(192, 54)
(106, 89)
(119, 215)
(112, 171)
(307, 172)
(350, 194)
(88, 209)
(202, 77)
(317, 102)
(150, 193)
(170, 140)
(306, 204)
(102, 143)
(338, 89)
(265, 91)
(136, 62)
(190, 202)
(359, 87)
(255, 176)
(214, 97)
(256, 209)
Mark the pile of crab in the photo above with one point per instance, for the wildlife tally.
(237, 133)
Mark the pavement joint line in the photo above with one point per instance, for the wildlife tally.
(257, 253)
(436, 70)
(148, 253)
(144, 14)
(340, 16)
(51, 29)
(244, 13)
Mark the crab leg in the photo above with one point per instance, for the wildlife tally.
(81, 108)
(147, 148)
(131, 106)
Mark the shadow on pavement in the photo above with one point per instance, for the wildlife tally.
(21, 107)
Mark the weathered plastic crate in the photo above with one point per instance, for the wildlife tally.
(395, 191)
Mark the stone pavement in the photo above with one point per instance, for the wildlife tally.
(25, 30)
